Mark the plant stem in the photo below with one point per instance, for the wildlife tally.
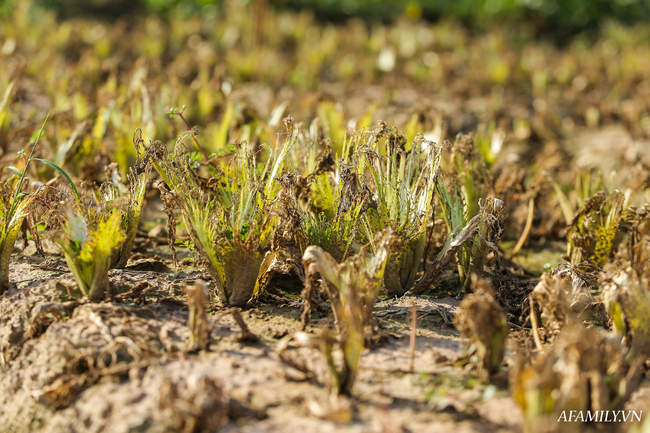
(14, 202)
(196, 141)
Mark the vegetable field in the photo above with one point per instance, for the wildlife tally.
(243, 216)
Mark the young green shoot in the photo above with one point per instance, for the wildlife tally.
(89, 240)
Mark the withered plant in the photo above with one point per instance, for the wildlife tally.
(198, 319)
(588, 183)
(583, 370)
(592, 231)
(403, 183)
(553, 300)
(133, 193)
(482, 320)
(97, 232)
(626, 292)
(628, 299)
(469, 167)
(14, 209)
(565, 298)
(479, 236)
(352, 287)
(337, 235)
(228, 216)
(15, 206)
(471, 182)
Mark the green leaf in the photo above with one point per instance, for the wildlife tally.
(14, 169)
(60, 170)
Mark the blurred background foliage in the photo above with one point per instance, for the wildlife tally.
(552, 16)
(240, 65)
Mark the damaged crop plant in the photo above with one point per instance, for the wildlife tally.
(241, 212)
(95, 230)
(371, 217)
(273, 256)
(229, 216)
(357, 225)
(16, 204)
